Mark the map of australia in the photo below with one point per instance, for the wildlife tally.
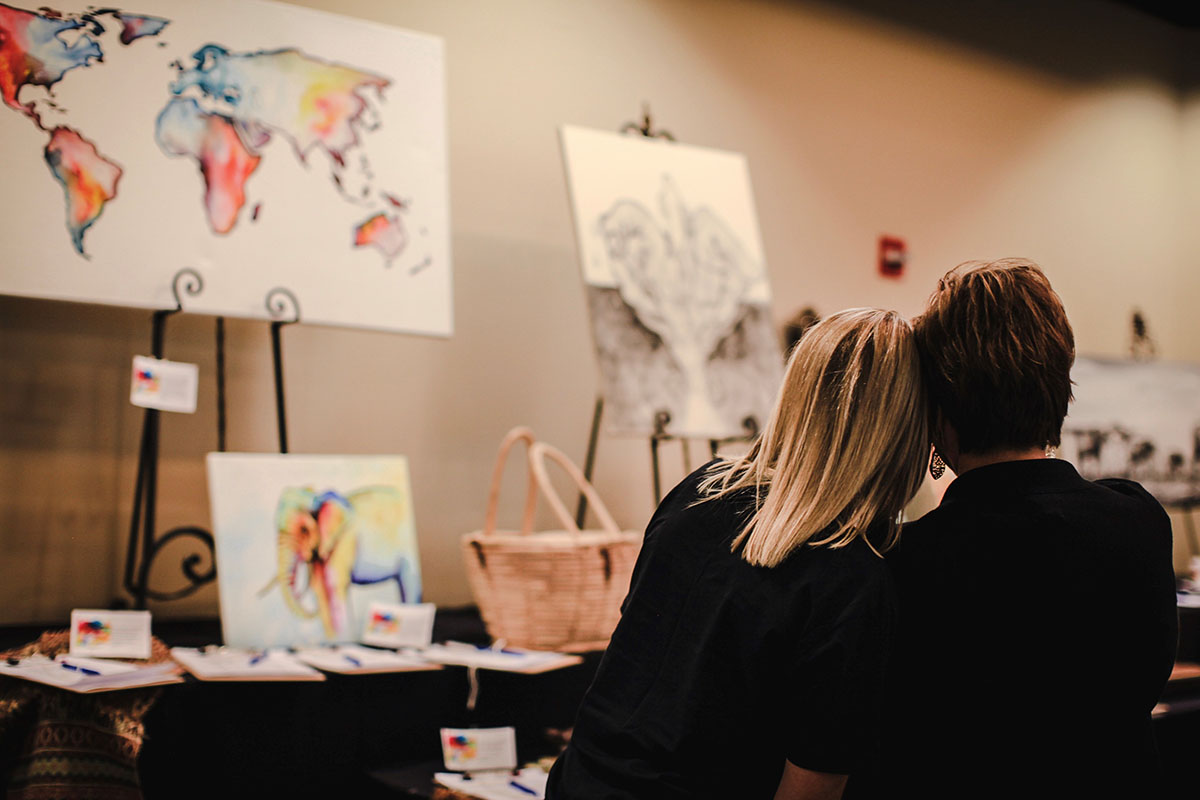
(221, 110)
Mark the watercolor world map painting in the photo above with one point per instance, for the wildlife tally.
(261, 145)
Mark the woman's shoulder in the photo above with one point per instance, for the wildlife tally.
(855, 568)
(1110, 508)
(1133, 492)
(697, 496)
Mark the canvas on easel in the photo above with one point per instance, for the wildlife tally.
(305, 544)
(1138, 420)
(261, 144)
(676, 282)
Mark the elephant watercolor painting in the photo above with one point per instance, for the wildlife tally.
(306, 543)
(329, 541)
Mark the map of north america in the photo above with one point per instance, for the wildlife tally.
(222, 109)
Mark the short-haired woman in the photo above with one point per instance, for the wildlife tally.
(1037, 609)
(749, 659)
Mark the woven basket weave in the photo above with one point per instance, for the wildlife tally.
(551, 590)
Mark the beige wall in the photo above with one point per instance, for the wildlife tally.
(1055, 131)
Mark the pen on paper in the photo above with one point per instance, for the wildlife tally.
(352, 659)
(504, 651)
(257, 657)
(74, 668)
(522, 788)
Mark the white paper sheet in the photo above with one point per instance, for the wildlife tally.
(229, 664)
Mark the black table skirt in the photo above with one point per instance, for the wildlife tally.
(310, 739)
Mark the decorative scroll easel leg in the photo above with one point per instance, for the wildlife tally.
(143, 545)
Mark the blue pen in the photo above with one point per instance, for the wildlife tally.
(352, 660)
(74, 668)
(502, 650)
(522, 788)
(258, 657)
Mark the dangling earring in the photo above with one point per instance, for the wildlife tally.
(1051, 451)
(937, 467)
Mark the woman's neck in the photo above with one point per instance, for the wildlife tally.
(970, 461)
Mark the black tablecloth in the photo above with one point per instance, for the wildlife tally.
(309, 739)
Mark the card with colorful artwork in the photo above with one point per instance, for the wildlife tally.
(466, 749)
(110, 634)
(399, 625)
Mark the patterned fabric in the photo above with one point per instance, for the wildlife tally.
(56, 744)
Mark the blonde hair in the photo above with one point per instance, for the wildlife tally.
(846, 443)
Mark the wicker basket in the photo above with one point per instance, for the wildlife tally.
(553, 590)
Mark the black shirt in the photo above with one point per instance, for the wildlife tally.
(719, 670)
(1037, 629)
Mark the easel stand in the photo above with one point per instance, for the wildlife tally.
(662, 418)
(144, 545)
(659, 435)
(284, 309)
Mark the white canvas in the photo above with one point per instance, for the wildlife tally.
(333, 533)
(1138, 420)
(221, 83)
(677, 286)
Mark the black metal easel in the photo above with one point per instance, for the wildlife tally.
(1142, 347)
(662, 418)
(144, 545)
(284, 309)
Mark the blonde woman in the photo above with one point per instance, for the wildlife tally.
(749, 659)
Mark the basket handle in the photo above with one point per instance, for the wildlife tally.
(538, 454)
(517, 434)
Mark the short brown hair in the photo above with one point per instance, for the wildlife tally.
(996, 349)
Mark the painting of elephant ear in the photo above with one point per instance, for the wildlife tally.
(306, 543)
(676, 282)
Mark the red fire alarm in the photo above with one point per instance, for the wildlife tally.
(892, 255)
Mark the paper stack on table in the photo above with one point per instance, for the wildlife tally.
(356, 660)
(86, 675)
(274, 664)
(231, 664)
(527, 784)
(504, 659)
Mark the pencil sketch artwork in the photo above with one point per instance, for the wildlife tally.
(1137, 420)
(676, 286)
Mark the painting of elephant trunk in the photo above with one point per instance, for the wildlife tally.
(306, 543)
(328, 541)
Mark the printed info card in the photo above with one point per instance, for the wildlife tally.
(110, 634)
(165, 385)
(398, 625)
(473, 749)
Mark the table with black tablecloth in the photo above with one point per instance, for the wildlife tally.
(368, 736)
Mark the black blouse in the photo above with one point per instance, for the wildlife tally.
(719, 671)
(1037, 630)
